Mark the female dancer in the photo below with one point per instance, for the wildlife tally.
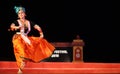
(26, 45)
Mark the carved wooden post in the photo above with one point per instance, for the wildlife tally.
(78, 49)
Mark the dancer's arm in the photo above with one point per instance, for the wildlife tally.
(13, 27)
(40, 30)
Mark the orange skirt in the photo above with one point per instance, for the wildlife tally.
(38, 50)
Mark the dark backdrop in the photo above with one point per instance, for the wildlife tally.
(61, 21)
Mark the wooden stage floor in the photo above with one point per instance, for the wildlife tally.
(9, 67)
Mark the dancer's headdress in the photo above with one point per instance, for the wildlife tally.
(18, 8)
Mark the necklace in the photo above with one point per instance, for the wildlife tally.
(24, 23)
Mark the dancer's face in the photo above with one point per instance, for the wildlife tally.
(21, 14)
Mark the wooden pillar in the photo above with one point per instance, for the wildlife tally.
(78, 49)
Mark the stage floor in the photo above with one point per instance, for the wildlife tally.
(10, 67)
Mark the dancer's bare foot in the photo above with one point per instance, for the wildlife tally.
(21, 68)
(19, 71)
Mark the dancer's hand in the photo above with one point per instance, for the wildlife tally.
(41, 35)
(13, 27)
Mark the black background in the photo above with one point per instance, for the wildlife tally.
(61, 21)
